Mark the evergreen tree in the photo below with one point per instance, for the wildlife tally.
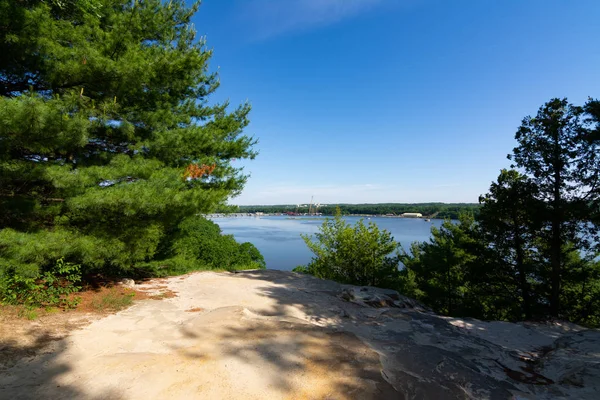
(532, 251)
(508, 226)
(580, 290)
(440, 268)
(107, 137)
(559, 150)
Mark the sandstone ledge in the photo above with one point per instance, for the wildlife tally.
(279, 335)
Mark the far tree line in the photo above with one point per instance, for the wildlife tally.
(429, 210)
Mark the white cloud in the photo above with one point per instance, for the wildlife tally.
(272, 17)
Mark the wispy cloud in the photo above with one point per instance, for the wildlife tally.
(273, 17)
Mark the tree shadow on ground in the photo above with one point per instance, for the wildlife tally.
(304, 286)
(456, 356)
(33, 370)
(290, 356)
(291, 289)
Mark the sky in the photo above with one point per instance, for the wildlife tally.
(404, 101)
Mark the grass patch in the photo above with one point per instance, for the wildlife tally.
(113, 300)
(165, 294)
(28, 313)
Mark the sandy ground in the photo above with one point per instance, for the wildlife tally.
(220, 338)
(277, 335)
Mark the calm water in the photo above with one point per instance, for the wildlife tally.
(279, 241)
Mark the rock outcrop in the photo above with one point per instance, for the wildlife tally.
(379, 298)
(278, 335)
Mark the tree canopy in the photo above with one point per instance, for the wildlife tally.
(532, 251)
(559, 149)
(108, 139)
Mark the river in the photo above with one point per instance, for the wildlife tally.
(279, 241)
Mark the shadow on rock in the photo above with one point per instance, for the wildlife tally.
(287, 355)
(429, 356)
(34, 370)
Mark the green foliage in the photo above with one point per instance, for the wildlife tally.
(532, 251)
(36, 251)
(580, 288)
(103, 107)
(360, 254)
(30, 314)
(50, 289)
(198, 244)
(509, 270)
(558, 150)
(438, 269)
(496, 267)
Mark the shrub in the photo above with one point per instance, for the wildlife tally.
(442, 270)
(360, 254)
(50, 289)
(198, 244)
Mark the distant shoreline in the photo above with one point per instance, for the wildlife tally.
(384, 210)
(306, 216)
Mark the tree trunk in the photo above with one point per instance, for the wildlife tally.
(556, 241)
(555, 261)
(449, 288)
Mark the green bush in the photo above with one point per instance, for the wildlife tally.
(440, 270)
(360, 254)
(50, 289)
(194, 244)
(198, 244)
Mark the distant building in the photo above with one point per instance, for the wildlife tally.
(412, 215)
(259, 214)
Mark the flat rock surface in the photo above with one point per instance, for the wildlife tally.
(280, 335)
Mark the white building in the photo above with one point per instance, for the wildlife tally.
(412, 215)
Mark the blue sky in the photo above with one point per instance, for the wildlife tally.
(366, 101)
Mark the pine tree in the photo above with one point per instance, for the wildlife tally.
(441, 266)
(107, 136)
(559, 150)
(508, 226)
